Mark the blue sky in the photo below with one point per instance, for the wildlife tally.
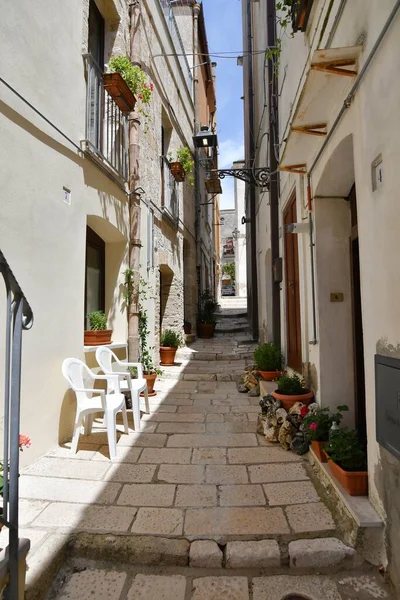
(224, 32)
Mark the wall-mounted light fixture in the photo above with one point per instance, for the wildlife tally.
(205, 139)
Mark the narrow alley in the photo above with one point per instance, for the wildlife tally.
(197, 506)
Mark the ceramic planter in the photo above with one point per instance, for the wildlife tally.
(97, 338)
(177, 171)
(270, 375)
(289, 401)
(205, 331)
(354, 482)
(318, 449)
(151, 379)
(167, 355)
(119, 91)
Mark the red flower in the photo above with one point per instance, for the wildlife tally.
(140, 96)
(303, 411)
(151, 86)
(313, 426)
(24, 441)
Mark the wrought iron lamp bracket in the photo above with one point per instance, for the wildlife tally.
(257, 177)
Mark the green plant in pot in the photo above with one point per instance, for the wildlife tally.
(292, 389)
(348, 460)
(134, 83)
(150, 372)
(269, 361)
(98, 334)
(169, 343)
(317, 426)
(206, 317)
(182, 164)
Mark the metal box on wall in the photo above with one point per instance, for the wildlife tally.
(387, 399)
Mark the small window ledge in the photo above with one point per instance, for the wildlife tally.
(112, 346)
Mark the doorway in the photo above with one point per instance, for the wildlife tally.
(358, 338)
(293, 325)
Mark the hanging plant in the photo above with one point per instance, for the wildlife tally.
(283, 20)
(183, 157)
(136, 80)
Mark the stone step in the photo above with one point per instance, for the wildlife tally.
(207, 355)
(233, 314)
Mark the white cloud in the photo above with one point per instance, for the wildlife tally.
(227, 198)
(229, 152)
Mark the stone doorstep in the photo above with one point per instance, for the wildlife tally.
(360, 524)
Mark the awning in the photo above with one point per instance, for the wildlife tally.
(329, 79)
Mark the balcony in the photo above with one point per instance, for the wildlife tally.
(106, 138)
(170, 195)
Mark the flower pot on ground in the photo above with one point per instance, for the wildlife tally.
(317, 425)
(206, 318)
(291, 389)
(269, 361)
(98, 334)
(187, 327)
(151, 380)
(348, 461)
(169, 344)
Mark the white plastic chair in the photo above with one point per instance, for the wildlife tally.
(105, 357)
(90, 401)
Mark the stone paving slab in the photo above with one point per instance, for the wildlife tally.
(90, 584)
(209, 456)
(67, 468)
(220, 588)
(81, 517)
(212, 440)
(305, 518)
(157, 587)
(294, 492)
(276, 588)
(173, 456)
(235, 521)
(241, 495)
(68, 490)
(270, 454)
(276, 473)
(131, 473)
(143, 494)
(220, 474)
(125, 454)
(181, 473)
(196, 496)
(159, 521)
(181, 428)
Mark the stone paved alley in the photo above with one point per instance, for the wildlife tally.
(203, 503)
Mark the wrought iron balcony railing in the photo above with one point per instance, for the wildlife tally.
(170, 196)
(18, 316)
(106, 124)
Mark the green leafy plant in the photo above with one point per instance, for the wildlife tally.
(185, 157)
(207, 308)
(347, 451)
(135, 79)
(291, 385)
(145, 352)
(318, 423)
(283, 20)
(97, 321)
(128, 287)
(268, 357)
(171, 339)
(230, 270)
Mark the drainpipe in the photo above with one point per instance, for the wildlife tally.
(196, 128)
(134, 197)
(252, 190)
(346, 105)
(274, 182)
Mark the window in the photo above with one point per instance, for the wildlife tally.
(150, 238)
(96, 34)
(95, 273)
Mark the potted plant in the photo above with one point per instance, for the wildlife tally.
(98, 334)
(348, 461)
(169, 344)
(187, 327)
(182, 165)
(125, 81)
(269, 361)
(317, 425)
(206, 318)
(291, 389)
(150, 372)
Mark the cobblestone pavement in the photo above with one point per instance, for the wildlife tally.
(196, 470)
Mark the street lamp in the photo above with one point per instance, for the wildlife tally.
(235, 233)
(205, 139)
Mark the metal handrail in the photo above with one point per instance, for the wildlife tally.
(19, 317)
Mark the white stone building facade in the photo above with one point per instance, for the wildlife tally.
(337, 146)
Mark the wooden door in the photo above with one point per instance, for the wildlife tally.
(293, 326)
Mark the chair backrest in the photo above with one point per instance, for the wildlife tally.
(79, 377)
(105, 357)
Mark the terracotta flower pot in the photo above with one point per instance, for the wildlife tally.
(167, 355)
(289, 401)
(118, 89)
(151, 379)
(270, 375)
(354, 482)
(97, 338)
(177, 171)
(318, 449)
(205, 331)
